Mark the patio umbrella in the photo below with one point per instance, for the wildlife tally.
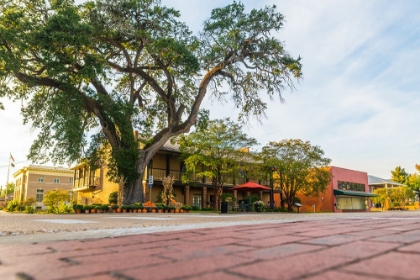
(249, 187)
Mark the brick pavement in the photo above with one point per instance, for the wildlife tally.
(351, 248)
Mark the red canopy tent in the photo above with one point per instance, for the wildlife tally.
(250, 186)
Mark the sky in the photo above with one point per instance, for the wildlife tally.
(359, 96)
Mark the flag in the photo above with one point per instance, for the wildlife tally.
(12, 157)
(12, 164)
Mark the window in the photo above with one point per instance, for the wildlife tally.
(197, 200)
(70, 195)
(56, 180)
(41, 179)
(71, 180)
(39, 195)
(351, 186)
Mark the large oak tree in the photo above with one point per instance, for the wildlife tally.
(89, 75)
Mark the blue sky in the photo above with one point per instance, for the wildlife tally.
(359, 96)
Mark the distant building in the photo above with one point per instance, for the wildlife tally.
(348, 191)
(36, 180)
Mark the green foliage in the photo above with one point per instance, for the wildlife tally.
(215, 152)
(227, 197)
(399, 175)
(302, 167)
(9, 189)
(113, 197)
(12, 205)
(54, 200)
(91, 74)
(29, 209)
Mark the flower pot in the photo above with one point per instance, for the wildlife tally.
(87, 211)
(160, 210)
(124, 210)
(172, 211)
(78, 211)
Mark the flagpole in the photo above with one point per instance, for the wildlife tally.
(8, 170)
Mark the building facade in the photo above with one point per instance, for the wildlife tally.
(348, 191)
(93, 186)
(34, 181)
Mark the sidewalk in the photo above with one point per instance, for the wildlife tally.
(362, 247)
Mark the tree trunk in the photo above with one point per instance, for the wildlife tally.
(290, 204)
(133, 192)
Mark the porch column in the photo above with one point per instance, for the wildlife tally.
(187, 195)
(204, 198)
(261, 197)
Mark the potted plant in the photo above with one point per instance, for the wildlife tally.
(105, 208)
(98, 208)
(186, 208)
(171, 209)
(159, 207)
(78, 208)
(124, 208)
(114, 208)
(87, 208)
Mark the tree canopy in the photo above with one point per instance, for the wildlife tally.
(301, 166)
(216, 152)
(90, 75)
(399, 175)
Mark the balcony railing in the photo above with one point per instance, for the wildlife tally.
(160, 173)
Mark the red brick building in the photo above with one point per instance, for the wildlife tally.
(348, 191)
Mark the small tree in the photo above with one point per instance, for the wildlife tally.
(302, 167)
(382, 197)
(399, 175)
(54, 198)
(215, 151)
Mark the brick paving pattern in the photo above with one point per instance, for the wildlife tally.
(350, 248)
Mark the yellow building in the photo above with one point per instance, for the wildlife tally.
(94, 186)
(35, 181)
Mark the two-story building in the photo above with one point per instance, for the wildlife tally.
(93, 186)
(36, 180)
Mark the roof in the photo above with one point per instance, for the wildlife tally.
(169, 147)
(373, 180)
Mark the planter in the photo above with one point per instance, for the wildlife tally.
(78, 211)
(87, 211)
(172, 211)
(160, 210)
(124, 210)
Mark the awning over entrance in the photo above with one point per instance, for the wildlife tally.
(354, 193)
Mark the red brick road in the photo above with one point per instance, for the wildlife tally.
(351, 248)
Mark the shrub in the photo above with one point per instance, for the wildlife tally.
(113, 198)
(195, 208)
(29, 210)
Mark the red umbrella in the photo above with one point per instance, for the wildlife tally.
(250, 186)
